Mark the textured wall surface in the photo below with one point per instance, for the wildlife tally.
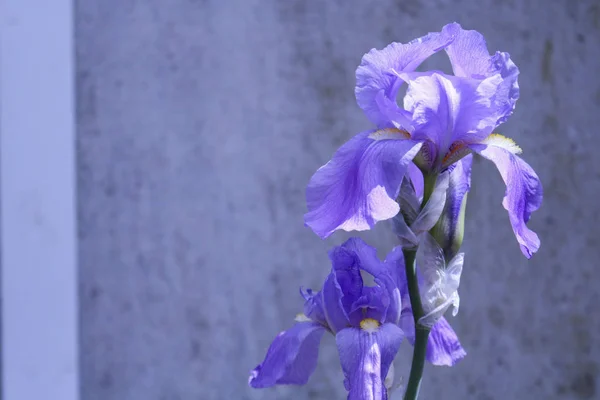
(200, 123)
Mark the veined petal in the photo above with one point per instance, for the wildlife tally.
(358, 187)
(366, 356)
(469, 56)
(443, 347)
(447, 109)
(291, 358)
(376, 83)
(524, 192)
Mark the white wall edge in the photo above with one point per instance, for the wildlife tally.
(38, 208)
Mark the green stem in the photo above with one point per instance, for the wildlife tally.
(418, 363)
(429, 185)
(421, 333)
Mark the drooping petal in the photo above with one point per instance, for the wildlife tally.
(469, 57)
(447, 109)
(443, 347)
(358, 187)
(376, 82)
(366, 357)
(449, 229)
(524, 191)
(291, 358)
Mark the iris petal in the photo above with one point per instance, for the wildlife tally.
(346, 268)
(447, 109)
(417, 180)
(358, 187)
(291, 358)
(332, 294)
(469, 57)
(366, 358)
(313, 306)
(443, 347)
(523, 196)
(384, 273)
(376, 83)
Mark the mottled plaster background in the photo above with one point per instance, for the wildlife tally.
(199, 125)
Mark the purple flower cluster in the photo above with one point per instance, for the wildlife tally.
(414, 170)
(368, 321)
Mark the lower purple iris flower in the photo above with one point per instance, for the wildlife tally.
(361, 303)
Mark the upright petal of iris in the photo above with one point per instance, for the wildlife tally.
(524, 190)
(366, 354)
(376, 83)
(358, 187)
(291, 358)
(447, 109)
(354, 256)
(469, 57)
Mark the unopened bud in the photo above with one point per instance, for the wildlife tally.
(449, 230)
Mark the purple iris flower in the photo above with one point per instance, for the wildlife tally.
(443, 119)
(368, 319)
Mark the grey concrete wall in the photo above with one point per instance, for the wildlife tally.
(199, 125)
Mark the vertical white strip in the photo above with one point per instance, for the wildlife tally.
(37, 172)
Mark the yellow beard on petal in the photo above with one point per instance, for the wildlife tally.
(369, 325)
(495, 139)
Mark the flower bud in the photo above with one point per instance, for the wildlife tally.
(449, 229)
(414, 220)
